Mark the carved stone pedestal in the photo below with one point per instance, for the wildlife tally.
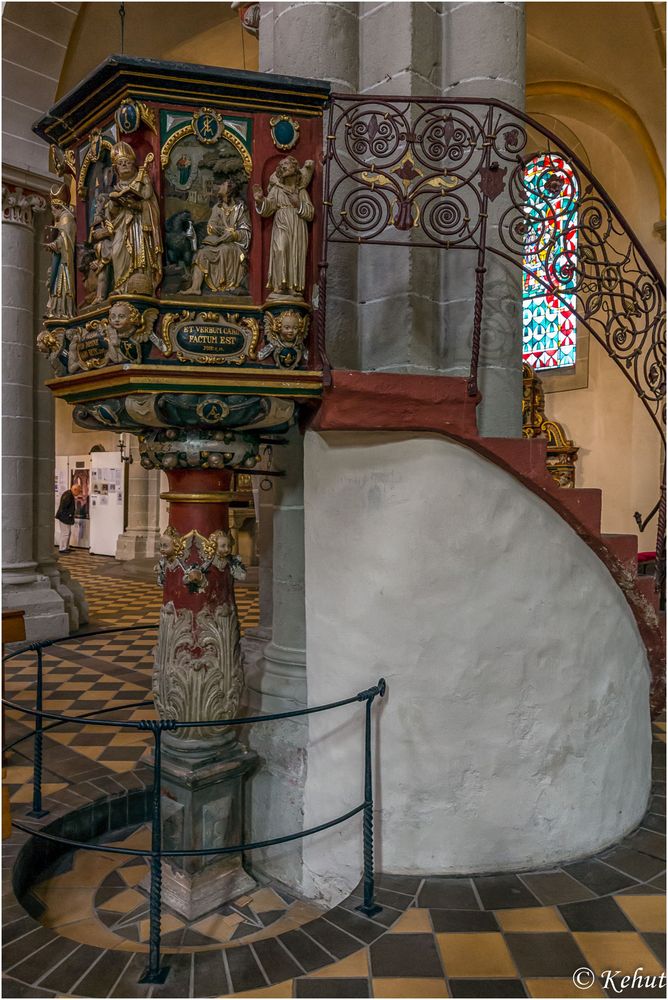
(202, 806)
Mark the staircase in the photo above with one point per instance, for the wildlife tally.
(372, 401)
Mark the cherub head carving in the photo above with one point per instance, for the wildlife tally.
(223, 543)
(166, 546)
(124, 318)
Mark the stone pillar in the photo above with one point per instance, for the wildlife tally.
(398, 287)
(483, 56)
(23, 586)
(322, 40)
(277, 682)
(141, 538)
(59, 578)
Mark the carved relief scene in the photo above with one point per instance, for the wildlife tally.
(207, 222)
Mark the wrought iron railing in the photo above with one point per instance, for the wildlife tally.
(155, 972)
(452, 174)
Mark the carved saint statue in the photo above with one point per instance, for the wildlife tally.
(288, 201)
(222, 260)
(61, 240)
(133, 222)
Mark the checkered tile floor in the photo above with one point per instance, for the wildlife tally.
(511, 935)
(91, 673)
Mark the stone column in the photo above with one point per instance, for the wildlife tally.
(59, 578)
(483, 56)
(321, 40)
(398, 287)
(23, 586)
(277, 682)
(141, 538)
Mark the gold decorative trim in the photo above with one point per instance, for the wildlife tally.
(86, 162)
(561, 452)
(225, 101)
(223, 497)
(189, 129)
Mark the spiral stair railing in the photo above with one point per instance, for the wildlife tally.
(452, 174)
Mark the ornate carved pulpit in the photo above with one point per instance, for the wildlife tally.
(184, 240)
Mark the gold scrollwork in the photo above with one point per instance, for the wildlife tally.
(93, 153)
(148, 115)
(188, 129)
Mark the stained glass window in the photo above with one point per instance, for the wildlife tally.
(550, 248)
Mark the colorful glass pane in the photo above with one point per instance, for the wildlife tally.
(550, 258)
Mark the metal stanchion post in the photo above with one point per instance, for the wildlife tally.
(154, 973)
(37, 812)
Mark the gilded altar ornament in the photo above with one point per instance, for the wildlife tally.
(114, 340)
(222, 260)
(285, 334)
(561, 452)
(287, 200)
(60, 239)
(51, 342)
(284, 131)
(134, 224)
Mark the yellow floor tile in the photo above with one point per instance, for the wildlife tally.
(647, 913)
(620, 950)
(92, 752)
(475, 955)
(120, 766)
(410, 988)
(64, 738)
(133, 874)
(15, 775)
(353, 967)
(413, 921)
(129, 739)
(267, 900)
(126, 900)
(94, 933)
(540, 919)
(217, 927)
(67, 907)
(168, 923)
(561, 988)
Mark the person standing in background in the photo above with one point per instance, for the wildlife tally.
(65, 514)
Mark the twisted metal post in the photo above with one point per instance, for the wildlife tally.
(153, 972)
(369, 907)
(37, 812)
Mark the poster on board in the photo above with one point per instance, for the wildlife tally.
(107, 508)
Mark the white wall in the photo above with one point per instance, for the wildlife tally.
(515, 732)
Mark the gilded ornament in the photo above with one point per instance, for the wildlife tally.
(133, 218)
(285, 333)
(131, 113)
(207, 125)
(561, 452)
(60, 239)
(96, 145)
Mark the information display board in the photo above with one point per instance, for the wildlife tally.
(107, 511)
